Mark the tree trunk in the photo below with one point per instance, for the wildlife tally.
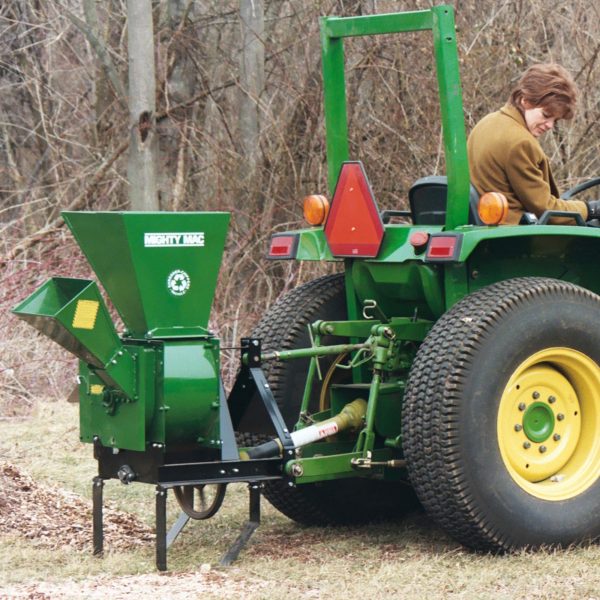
(104, 95)
(252, 79)
(141, 168)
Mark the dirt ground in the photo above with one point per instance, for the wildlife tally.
(173, 586)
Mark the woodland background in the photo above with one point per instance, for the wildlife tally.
(239, 127)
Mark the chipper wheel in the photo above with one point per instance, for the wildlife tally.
(501, 421)
(284, 327)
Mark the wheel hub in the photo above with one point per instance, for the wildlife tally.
(541, 439)
(538, 422)
(547, 446)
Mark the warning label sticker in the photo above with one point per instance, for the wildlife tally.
(157, 240)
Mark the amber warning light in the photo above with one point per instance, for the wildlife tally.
(315, 209)
(354, 227)
(492, 208)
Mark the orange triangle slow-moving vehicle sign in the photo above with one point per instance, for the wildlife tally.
(354, 227)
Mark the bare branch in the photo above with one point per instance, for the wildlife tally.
(102, 54)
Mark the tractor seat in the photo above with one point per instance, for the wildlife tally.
(427, 199)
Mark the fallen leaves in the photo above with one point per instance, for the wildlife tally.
(54, 518)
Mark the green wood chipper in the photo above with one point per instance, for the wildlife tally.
(452, 364)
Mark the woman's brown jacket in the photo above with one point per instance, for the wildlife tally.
(505, 157)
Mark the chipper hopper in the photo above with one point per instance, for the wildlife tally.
(451, 363)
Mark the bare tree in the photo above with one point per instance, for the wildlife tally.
(252, 80)
(105, 70)
(141, 168)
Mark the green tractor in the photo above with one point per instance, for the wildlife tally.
(453, 363)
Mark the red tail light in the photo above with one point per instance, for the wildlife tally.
(444, 247)
(283, 245)
(354, 227)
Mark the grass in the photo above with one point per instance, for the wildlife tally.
(411, 558)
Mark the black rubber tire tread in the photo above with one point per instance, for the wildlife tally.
(285, 325)
(440, 468)
(329, 502)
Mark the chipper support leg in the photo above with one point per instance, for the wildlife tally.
(97, 531)
(249, 528)
(176, 529)
(161, 528)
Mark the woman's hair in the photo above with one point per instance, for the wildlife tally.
(548, 86)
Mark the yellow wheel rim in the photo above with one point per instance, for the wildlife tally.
(549, 424)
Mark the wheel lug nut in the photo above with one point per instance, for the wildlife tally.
(556, 437)
(535, 395)
(522, 406)
(551, 399)
(543, 449)
(518, 427)
(526, 445)
(560, 416)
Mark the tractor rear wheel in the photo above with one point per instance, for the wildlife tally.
(284, 327)
(501, 421)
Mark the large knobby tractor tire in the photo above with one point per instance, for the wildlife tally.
(501, 421)
(284, 327)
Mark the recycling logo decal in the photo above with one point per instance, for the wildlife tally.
(178, 282)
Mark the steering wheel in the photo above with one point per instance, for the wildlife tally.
(586, 185)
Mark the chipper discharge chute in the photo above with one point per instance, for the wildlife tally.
(449, 359)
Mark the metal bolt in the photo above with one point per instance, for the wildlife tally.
(522, 406)
(526, 445)
(551, 399)
(556, 437)
(222, 471)
(255, 342)
(255, 358)
(297, 470)
(535, 395)
(560, 416)
(266, 386)
(518, 427)
(543, 449)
